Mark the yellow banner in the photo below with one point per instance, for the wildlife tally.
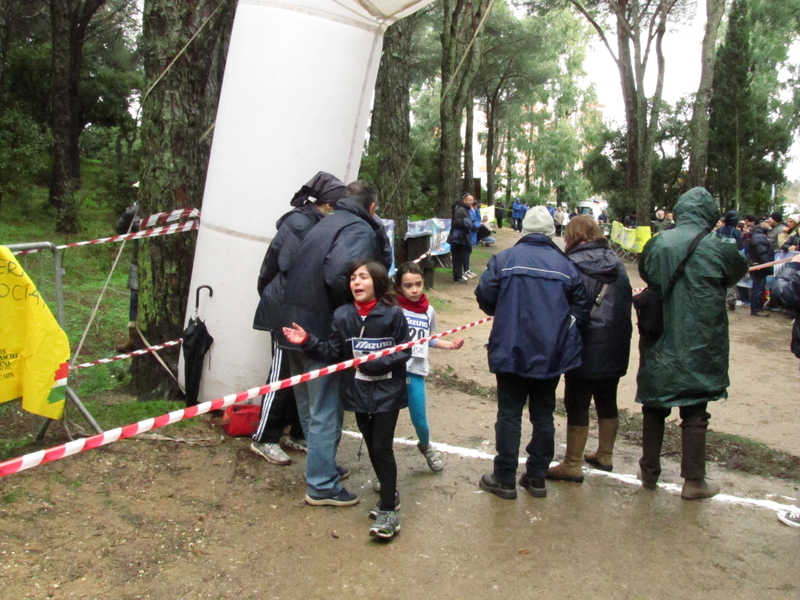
(633, 240)
(34, 350)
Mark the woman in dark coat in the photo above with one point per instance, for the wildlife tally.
(606, 349)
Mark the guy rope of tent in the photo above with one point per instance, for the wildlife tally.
(95, 441)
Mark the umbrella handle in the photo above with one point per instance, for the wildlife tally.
(197, 297)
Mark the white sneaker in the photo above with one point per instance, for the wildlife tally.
(295, 444)
(433, 457)
(272, 452)
(791, 519)
(470, 274)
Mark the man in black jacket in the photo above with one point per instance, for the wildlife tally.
(759, 251)
(316, 285)
(279, 409)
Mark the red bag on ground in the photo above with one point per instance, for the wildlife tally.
(240, 420)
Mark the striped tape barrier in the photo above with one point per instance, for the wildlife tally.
(34, 459)
(417, 260)
(103, 361)
(180, 214)
(168, 230)
(770, 264)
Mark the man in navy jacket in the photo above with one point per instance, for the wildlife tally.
(537, 298)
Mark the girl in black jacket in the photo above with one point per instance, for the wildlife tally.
(376, 391)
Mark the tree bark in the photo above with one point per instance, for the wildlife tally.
(178, 111)
(390, 131)
(459, 26)
(69, 21)
(469, 158)
(698, 128)
(491, 129)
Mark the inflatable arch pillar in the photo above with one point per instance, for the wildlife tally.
(296, 96)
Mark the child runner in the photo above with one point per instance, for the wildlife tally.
(421, 317)
(376, 390)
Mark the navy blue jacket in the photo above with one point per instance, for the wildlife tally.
(786, 293)
(607, 338)
(537, 298)
(759, 250)
(316, 283)
(292, 229)
(386, 323)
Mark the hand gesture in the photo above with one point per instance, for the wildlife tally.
(456, 343)
(295, 334)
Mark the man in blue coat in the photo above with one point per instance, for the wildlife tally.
(537, 298)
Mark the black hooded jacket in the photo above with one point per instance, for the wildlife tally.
(607, 338)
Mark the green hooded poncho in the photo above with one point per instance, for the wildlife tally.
(688, 364)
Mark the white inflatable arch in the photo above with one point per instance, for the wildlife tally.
(295, 100)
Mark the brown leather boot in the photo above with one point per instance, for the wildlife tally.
(570, 467)
(693, 463)
(697, 489)
(652, 440)
(607, 435)
(130, 343)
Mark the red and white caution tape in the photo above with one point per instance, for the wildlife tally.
(103, 361)
(423, 256)
(180, 214)
(770, 264)
(145, 233)
(34, 459)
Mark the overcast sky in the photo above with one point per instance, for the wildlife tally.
(681, 76)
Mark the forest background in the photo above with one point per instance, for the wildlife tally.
(98, 94)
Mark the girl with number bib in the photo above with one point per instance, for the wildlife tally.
(375, 390)
(421, 318)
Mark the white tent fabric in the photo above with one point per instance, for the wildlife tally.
(296, 96)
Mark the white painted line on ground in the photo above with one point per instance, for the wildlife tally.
(629, 479)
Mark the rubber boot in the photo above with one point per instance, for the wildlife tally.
(607, 435)
(693, 465)
(128, 344)
(652, 440)
(570, 467)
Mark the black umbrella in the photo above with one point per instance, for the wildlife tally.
(196, 342)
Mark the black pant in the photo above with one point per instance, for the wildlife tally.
(278, 409)
(513, 392)
(757, 293)
(578, 394)
(694, 422)
(378, 432)
(499, 221)
(457, 252)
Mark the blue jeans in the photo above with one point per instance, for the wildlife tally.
(513, 391)
(321, 417)
(415, 386)
(757, 293)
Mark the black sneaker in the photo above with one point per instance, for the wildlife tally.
(489, 484)
(534, 485)
(344, 472)
(373, 512)
(343, 498)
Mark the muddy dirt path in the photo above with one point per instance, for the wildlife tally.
(164, 520)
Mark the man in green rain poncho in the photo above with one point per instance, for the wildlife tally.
(687, 366)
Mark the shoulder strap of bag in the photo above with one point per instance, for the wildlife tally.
(681, 267)
(599, 299)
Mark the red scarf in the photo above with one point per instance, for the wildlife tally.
(420, 306)
(364, 308)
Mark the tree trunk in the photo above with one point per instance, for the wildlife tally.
(177, 111)
(469, 159)
(390, 132)
(459, 25)
(490, 148)
(698, 128)
(5, 43)
(69, 21)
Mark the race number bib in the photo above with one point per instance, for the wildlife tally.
(365, 346)
(418, 327)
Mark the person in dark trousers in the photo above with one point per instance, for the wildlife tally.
(316, 285)
(686, 366)
(499, 213)
(759, 251)
(129, 222)
(786, 293)
(538, 300)
(606, 349)
(460, 237)
(375, 390)
(279, 409)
